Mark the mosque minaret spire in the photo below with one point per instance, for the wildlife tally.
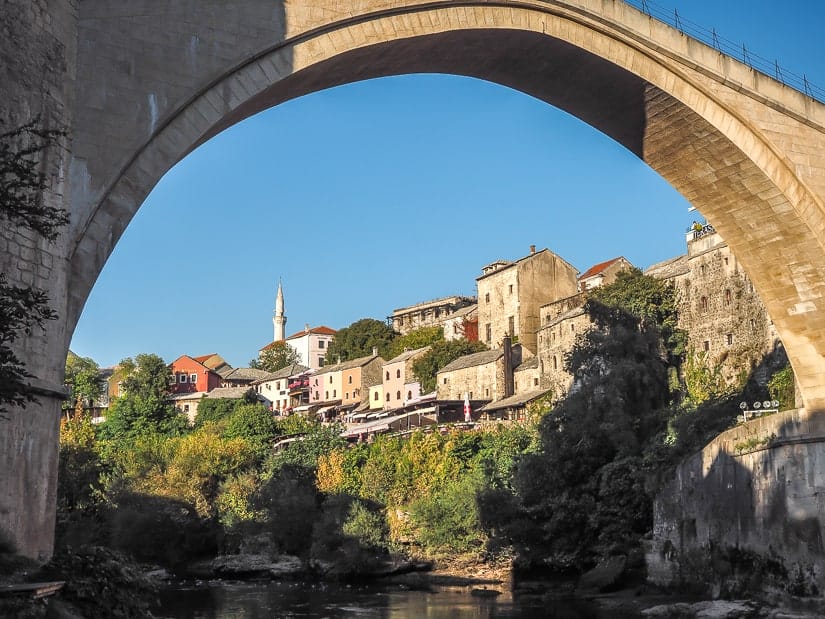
(279, 318)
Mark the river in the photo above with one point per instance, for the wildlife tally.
(245, 600)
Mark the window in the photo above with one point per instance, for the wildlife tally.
(486, 393)
(572, 328)
(471, 395)
(445, 380)
(726, 261)
(321, 343)
(349, 381)
(388, 397)
(346, 395)
(728, 297)
(488, 332)
(376, 396)
(316, 382)
(729, 339)
(535, 382)
(326, 395)
(330, 379)
(702, 270)
(334, 393)
(173, 378)
(398, 373)
(511, 325)
(320, 362)
(703, 304)
(397, 395)
(486, 297)
(511, 288)
(193, 378)
(555, 363)
(183, 378)
(185, 408)
(409, 395)
(388, 374)
(706, 345)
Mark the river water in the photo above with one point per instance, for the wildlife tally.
(245, 600)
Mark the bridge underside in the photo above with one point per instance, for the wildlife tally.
(143, 83)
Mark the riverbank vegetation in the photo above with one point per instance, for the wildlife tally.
(563, 491)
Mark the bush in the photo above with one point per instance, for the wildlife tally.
(254, 424)
(291, 503)
(160, 530)
(101, 583)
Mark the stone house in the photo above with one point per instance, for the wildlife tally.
(603, 273)
(526, 376)
(399, 384)
(479, 376)
(279, 388)
(376, 397)
(511, 293)
(727, 323)
(427, 314)
(463, 324)
(242, 377)
(561, 323)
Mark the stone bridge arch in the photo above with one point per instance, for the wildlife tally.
(145, 82)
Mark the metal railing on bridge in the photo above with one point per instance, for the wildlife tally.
(771, 68)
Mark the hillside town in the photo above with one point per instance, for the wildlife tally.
(527, 312)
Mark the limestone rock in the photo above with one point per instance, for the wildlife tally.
(604, 576)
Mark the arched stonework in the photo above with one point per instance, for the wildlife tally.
(144, 82)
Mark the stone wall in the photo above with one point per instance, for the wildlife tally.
(37, 73)
(727, 324)
(562, 322)
(481, 382)
(510, 296)
(756, 491)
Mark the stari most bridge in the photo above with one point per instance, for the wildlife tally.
(141, 83)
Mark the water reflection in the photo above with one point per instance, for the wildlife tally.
(266, 600)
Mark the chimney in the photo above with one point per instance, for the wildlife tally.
(375, 351)
(509, 379)
(532, 249)
(306, 327)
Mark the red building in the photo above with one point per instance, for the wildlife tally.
(189, 375)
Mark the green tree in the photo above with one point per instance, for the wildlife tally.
(214, 410)
(358, 340)
(254, 424)
(440, 354)
(143, 407)
(651, 300)
(276, 356)
(22, 186)
(583, 495)
(84, 380)
(782, 387)
(425, 336)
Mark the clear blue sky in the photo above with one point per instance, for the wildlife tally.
(385, 193)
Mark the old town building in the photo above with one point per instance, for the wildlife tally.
(511, 293)
(428, 314)
(727, 324)
(561, 323)
(347, 383)
(399, 383)
(486, 375)
(281, 389)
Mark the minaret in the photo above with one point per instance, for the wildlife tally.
(278, 318)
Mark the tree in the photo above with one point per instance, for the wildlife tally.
(84, 380)
(440, 354)
(276, 356)
(143, 407)
(358, 340)
(583, 495)
(425, 336)
(22, 185)
(650, 300)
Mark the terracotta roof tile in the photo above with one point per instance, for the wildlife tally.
(598, 268)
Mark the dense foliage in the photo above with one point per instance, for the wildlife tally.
(276, 356)
(85, 382)
(425, 336)
(358, 339)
